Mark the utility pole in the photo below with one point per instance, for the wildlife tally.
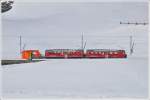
(131, 45)
(130, 42)
(24, 45)
(84, 45)
(20, 44)
(82, 41)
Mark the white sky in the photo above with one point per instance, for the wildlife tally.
(37, 18)
(81, 0)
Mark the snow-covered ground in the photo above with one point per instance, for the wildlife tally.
(77, 78)
(44, 26)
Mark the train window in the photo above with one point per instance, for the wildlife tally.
(115, 52)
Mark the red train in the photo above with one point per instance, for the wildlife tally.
(105, 53)
(74, 53)
(64, 53)
(90, 53)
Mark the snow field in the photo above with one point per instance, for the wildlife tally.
(77, 78)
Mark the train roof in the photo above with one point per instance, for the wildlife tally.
(104, 50)
(29, 50)
(61, 49)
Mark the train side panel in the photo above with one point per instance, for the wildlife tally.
(105, 54)
(64, 53)
(76, 54)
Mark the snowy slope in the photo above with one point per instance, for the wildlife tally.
(77, 78)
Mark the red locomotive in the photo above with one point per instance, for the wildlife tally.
(29, 54)
(102, 53)
(64, 53)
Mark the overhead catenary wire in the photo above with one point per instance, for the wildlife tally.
(134, 23)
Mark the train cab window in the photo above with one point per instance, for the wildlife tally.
(34, 52)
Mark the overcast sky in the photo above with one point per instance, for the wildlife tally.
(81, 0)
(70, 18)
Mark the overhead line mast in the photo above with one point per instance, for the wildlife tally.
(131, 37)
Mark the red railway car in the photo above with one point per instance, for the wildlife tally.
(64, 53)
(95, 53)
(117, 54)
(77, 53)
(105, 53)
